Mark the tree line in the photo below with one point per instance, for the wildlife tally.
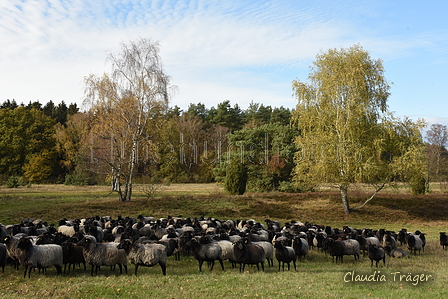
(51, 143)
(58, 145)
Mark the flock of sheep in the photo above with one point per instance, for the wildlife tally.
(146, 241)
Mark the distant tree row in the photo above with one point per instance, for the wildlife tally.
(58, 112)
(56, 143)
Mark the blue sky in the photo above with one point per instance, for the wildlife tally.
(234, 50)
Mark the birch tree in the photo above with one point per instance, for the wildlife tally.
(121, 105)
(437, 136)
(347, 134)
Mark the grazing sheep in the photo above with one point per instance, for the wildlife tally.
(339, 248)
(146, 255)
(146, 230)
(102, 254)
(39, 256)
(443, 240)
(69, 230)
(248, 254)
(145, 219)
(285, 254)
(204, 251)
(414, 243)
(300, 246)
(3, 256)
(395, 252)
(258, 235)
(376, 253)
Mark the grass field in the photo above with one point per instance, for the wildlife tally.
(317, 277)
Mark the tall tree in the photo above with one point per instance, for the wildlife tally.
(437, 136)
(24, 134)
(122, 105)
(267, 151)
(227, 116)
(9, 104)
(345, 129)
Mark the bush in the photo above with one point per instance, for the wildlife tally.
(418, 185)
(236, 179)
(77, 178)
(13, 182)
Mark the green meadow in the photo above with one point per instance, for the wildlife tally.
(419, 276)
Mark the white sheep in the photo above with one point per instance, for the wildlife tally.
(351, 247)
(39, 256)
(103, 254)
(148, 255)
(204, 251)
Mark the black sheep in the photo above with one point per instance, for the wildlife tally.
(72, 255)
(3, 256)
(415, 243)
(376, 253)
(402, 236)
(443, 239)
(246, 254)
(300, 246)
(284, 254)
(335, 249)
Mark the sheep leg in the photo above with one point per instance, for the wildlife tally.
(294, 263)
(262, 266)
(163, 266)
(200, 265)
(242, 267)
(24, 273)
(58, 269)
(222, 264)
(136, 268)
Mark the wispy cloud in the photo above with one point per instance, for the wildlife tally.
(215, 50)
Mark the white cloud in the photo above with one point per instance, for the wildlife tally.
(215, 50)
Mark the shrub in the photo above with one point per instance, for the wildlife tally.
(418, 185)
(236, 178)
(77, 179)
(13, 182)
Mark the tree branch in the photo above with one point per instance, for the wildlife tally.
(370, 198)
